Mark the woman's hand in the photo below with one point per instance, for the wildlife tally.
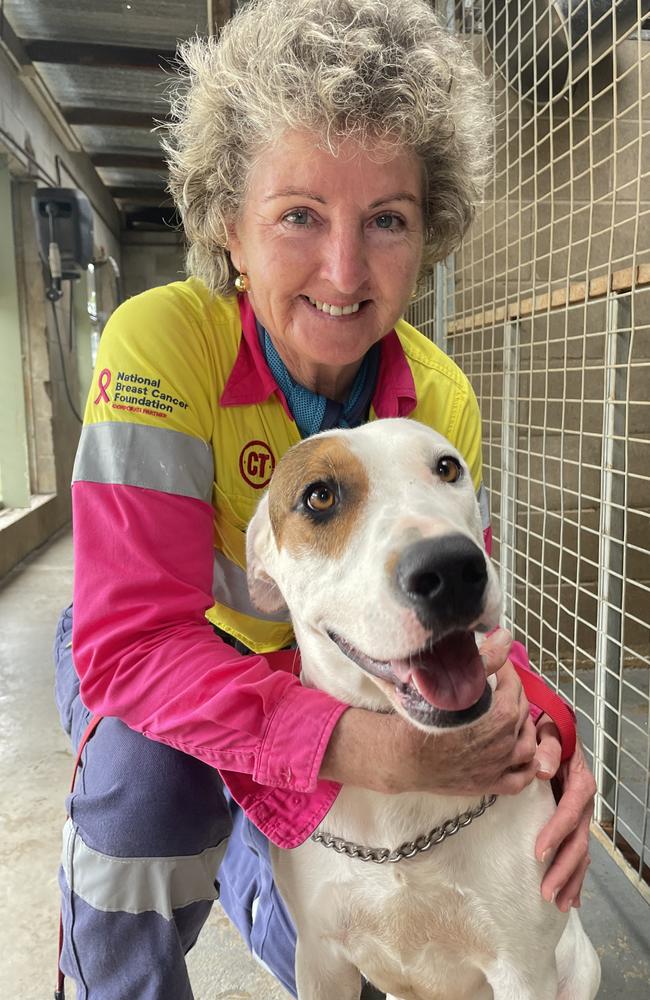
(496, 754)
(388, 754)
(565, 837)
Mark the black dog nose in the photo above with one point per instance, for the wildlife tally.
(443, 579)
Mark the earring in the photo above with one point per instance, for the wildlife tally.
(242, 283)
(414, 293)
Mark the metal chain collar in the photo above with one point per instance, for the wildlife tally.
(410, 847)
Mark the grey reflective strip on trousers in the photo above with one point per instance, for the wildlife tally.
(484, 504)
(138, 885)
(230, 588)
(151, 457)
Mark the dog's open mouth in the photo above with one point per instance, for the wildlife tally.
(442, 684)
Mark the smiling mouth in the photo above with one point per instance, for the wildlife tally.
(442, 684)
(336, 312)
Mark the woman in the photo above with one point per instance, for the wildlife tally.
(325, 153)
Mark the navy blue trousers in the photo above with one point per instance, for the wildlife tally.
(151, 841)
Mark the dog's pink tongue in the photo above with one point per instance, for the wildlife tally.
(451, 675)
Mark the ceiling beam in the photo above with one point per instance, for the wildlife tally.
(11, 42)
(141, 195)
(113, 117)
(13, 46)
(135, 161)
(90, 54)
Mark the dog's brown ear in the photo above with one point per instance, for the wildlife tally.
(260, 547)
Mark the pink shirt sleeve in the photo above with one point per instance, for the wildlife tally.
(146, 654)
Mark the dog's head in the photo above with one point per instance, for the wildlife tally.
(372, 538)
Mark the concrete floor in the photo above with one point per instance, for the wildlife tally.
(35, 768)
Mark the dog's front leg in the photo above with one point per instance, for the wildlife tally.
(509, 983)
(323, 973)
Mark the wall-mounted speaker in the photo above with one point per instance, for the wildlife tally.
(64, 216)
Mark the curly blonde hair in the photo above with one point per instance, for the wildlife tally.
(363, 69)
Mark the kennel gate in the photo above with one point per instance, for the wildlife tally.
(547, 310)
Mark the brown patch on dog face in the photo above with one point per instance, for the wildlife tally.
(322, 460)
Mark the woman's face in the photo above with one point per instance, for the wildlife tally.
(321, 233)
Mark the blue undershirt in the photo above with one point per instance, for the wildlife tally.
(313, 412)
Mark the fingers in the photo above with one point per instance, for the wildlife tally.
(513, 702)
(563, 880)
(565, 837)
(495, 649)
(523, 765)
(524, 711)
(509, 697)
(525, 750)
(505, 741)
(578, 790)
(570, 895)
(549, 748)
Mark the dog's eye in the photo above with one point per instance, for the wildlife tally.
(449, 469)
(319, 497)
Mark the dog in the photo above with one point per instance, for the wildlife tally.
(372, 539)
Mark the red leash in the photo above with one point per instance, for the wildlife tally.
(539, 694)
(59, 993)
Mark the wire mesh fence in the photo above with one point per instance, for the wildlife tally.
(547, 309)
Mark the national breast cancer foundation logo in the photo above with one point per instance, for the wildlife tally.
(256, 464)
(103, 383)
(136, 393)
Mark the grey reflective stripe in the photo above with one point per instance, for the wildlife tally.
(138, 885)
(230, 588)
(153, 457)
(484, 505)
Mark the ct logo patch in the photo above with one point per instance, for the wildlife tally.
(256, 464)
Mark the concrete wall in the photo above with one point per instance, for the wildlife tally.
(151, 259)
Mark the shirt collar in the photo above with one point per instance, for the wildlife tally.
(251, 381)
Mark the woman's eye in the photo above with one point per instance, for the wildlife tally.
(298, 217)
(449, 469)
(319, 497)
(388, 221)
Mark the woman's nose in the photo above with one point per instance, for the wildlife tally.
(344, 260)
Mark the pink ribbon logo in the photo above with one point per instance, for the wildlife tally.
(103, 382)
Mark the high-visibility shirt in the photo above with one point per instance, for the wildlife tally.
(183, 426)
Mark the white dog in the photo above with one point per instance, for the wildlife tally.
(372, 538)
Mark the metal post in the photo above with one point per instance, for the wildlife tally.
(439, 298)
(508, 521)
(443, 297)
(609, 647)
